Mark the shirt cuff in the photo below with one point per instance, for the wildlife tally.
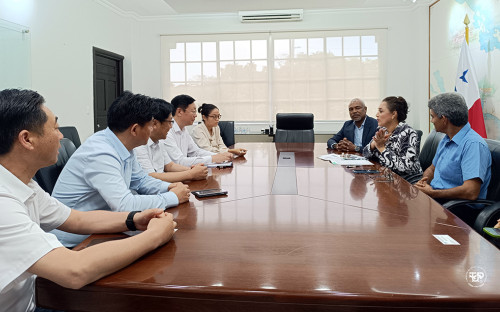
(171, 199)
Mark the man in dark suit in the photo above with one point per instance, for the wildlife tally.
(357, 132)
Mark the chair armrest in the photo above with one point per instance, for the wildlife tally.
(487, 217)
(459, 202)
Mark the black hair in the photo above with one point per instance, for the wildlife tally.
(129, 109)
(205, 109)
(398, 104)
(164, 109)
(181, 101)
(19, 110)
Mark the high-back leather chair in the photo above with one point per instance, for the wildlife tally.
(475, 216)
(71, 133)
(294, 128)
(47, 177)
(227, 132)
(429, 149)
(419, 143)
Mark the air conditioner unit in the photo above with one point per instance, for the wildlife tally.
(271, 16)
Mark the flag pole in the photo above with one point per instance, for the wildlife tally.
(467, 22)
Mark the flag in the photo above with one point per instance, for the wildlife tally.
(466, 85)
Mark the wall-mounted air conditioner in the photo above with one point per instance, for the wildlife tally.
(271, 16)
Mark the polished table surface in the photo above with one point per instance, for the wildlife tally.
(344, 242)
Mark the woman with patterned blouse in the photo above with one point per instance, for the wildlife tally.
(395, 144)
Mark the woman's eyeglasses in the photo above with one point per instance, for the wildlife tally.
(215, 116)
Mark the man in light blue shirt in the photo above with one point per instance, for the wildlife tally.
(102, 173)
(461, 168)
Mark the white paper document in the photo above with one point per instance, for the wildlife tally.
(446, 239)
(346, 160)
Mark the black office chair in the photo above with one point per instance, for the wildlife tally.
(429, 149)
(227, 132)
(47, 177)
(294, 128)
(470, 215)
(71, 133)
(419, 136)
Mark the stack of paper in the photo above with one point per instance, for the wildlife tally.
(346, 160)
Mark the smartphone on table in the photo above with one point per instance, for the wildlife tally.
(209, 192)
(365, 171)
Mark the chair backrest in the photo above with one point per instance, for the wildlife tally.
(294, 128)
(419, 136)
(47, 177)
(429, 149)
(227, 132)
(494, 187)
(71, 133)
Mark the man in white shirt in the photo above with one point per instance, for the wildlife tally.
(180, 146)
(153, 156)
(29, 140)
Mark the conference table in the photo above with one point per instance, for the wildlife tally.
(297, 233)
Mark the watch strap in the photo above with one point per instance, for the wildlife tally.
(130, 221)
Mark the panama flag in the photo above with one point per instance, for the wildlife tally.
(466, 85)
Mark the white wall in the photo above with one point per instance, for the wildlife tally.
(407, 56)
(63, 33)
(62, 36)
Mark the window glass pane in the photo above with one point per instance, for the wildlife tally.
(227, 70)
(193, 51)
(281, 48)
(177, 54)
(193, 71)
(226, 50)
(242, 50)
(334, 46)
(177, 72)
(259, 49)
(209, 51)
(369, 45)
(315, 46)
(323, 69)
(351, 46)
(209, 70)
(299, 47)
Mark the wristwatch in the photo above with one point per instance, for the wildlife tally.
(334, 146)
(130, 221)
(356, 148)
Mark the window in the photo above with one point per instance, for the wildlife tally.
(251, 77)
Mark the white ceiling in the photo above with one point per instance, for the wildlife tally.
(150, 8)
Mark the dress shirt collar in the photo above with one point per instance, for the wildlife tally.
(176, 127)
(362, 125)
(122, 151)
(459, 137)
(14, 186)
(151, 143)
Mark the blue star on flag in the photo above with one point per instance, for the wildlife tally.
(463, 76)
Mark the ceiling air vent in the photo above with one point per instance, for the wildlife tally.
(271, 16)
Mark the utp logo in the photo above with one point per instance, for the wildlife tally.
(475, 277)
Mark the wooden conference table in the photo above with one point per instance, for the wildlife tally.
(337, 241)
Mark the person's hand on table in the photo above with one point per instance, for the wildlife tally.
(182, 191)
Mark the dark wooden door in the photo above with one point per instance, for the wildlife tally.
(108, 84)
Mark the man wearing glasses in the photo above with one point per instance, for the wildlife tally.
(153, 156)
(180, 145)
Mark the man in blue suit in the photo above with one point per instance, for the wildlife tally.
(357, 132)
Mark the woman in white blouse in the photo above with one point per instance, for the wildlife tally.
(207, 134)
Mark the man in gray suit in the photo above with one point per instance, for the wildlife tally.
(355, 133)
